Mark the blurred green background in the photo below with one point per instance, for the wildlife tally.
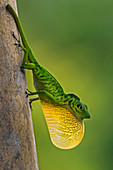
(73, 39)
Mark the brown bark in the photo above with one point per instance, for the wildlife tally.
(17, 144)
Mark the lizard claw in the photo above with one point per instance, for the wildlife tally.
(29, 91)
(12, 34)
(22, 69)
(15, 37)
(17, 44)
(30, 101)
(27, 94)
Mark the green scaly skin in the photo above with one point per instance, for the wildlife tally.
(44, 82)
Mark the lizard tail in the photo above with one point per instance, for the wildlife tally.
(18, 24)
(20, 29)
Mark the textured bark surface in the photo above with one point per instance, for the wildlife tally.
(17, 144)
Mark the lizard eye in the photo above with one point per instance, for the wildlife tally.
(79, 106)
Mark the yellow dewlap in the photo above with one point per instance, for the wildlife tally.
(66, 131)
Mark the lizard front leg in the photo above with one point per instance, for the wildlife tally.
(24, 65)
(42, 91)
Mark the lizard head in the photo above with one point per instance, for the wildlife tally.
(79, 108)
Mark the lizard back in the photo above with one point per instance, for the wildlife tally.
(43, 80)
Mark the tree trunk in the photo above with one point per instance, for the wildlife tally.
(17, 144)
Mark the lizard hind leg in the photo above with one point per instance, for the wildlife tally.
(18, 44)
(25, 63)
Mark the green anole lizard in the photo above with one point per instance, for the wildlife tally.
(64, 113)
